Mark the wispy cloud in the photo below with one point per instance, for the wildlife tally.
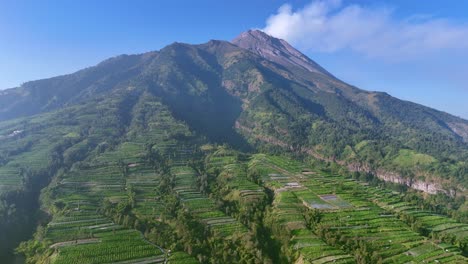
(330, 25)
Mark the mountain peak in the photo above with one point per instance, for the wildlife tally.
(276, 50)
(257, 34)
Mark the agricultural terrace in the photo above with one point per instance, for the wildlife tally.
(97, 202)
(80, 233)
(217, 208)
(240, 193)
(202, 207)
(346, 215)
(432, 225)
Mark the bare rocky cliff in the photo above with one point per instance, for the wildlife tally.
(276, 50)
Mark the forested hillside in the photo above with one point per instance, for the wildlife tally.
(227, 152)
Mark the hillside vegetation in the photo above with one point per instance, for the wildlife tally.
(227, 152)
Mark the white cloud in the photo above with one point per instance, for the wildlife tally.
(330, 26)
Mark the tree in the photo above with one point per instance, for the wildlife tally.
(312, 217)
(131, 196)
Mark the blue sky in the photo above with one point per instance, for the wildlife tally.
(414, 50)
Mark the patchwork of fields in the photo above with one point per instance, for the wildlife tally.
(159, 195)
(81, 229)
(354, 217)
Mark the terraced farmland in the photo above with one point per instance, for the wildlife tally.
(112, 247)
(240, 193)
(287, 219)
(80, 233)
(355, 222)
(202, 207)
(160, 194)
(96, 204)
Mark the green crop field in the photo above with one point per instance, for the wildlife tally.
(354, 222)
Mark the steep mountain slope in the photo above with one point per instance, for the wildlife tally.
(259, 91)
(365, 130)
(120, 156)
(379, 104)
(276, 50)
(49, 94)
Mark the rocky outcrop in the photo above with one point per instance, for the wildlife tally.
(277, 50)
(460, 129)
(394, 177)
(427, 187)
